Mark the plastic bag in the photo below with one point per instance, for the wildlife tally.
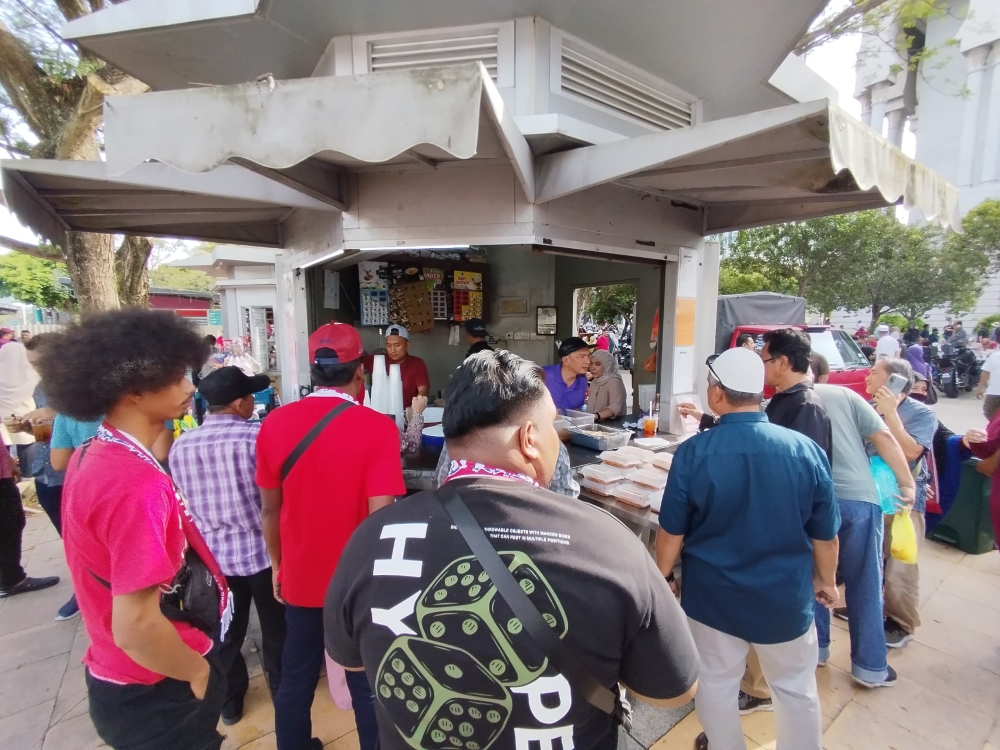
(337, 680)
(904, 538)
(885, 483)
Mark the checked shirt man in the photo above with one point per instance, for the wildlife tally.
(215, 465)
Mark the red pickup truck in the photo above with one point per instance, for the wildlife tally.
(848, 365)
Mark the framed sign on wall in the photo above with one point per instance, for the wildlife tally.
(547, 318)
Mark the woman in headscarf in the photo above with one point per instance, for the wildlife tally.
(607, 390)
(915, 356)
(17, 386)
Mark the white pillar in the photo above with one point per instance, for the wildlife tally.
(976, 61)
(991, 153)
(897, 121)
(866, 106)
(880, 96)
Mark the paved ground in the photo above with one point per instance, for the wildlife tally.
(948, 697)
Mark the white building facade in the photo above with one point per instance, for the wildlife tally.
(950, 103)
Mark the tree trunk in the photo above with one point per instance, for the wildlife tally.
(130, 265)
(876, 313)
(91, 263)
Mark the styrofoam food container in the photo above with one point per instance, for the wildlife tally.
(641, 453)
(620, 460)
(602, 474)
(580, 418)
(604, 490)
(653, 443)
(663, 461)
(648, 479)
(630, 494)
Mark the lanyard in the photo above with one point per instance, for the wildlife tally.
(463, 468)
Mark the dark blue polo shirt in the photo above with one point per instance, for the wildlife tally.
(748, 497)
(564, 396)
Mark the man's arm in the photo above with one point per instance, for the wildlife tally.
(984, 381)
(379, 502)
(825, 571)
(151, 640)
(59, 458)
(892, 454)
(270, 523)
(668, 549)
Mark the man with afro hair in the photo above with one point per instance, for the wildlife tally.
(152, 682)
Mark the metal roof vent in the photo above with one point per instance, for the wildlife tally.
(585, 77)
(444, 49)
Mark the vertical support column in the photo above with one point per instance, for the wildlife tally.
(897, 121)
(866, 106)
(976, 60)
(290, 318)
(879, 96)
(667, 339)
(706, 314)
(991, 152)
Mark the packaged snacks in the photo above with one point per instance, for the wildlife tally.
(620, 460)
(648, 479)
(602, 474)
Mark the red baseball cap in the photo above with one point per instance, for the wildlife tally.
(341, 338)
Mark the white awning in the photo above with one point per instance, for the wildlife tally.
(794, 162)
(227, 204)
(306, 131)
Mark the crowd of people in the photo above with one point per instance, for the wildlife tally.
(304, 516)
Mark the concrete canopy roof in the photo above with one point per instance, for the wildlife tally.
(720, 51)
(228, 204)
(790, 163)
(224, 257)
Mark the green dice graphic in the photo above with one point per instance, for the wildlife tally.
(463, 608)
(439, 696)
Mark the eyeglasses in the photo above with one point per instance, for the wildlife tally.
(770, 359)
(709, 362)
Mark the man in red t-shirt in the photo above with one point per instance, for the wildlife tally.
(152, 683)
(349, 470)
(412, 370)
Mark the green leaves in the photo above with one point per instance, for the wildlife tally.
(170, 277)
(866, 261)
(33, 280)
(606, 303)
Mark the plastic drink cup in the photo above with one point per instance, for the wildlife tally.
(649, 426)
(42, 431)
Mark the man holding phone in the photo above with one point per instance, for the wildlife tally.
(913, 425)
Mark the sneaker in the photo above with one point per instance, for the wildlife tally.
(69, 610)
(889, 681)
(701, 742)
(895, 636)
(749, 704)
(29, 584)
(821, 662)
(840, 613)
(315, 744)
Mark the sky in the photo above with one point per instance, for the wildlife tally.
(834, 61)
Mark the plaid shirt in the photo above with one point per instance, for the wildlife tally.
(214, 467)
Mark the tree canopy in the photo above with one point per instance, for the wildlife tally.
(865, 261)
(33, 280)
(171, 277)
(51, 107)
(607, 303)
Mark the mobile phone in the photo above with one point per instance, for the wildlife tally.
(896, 383)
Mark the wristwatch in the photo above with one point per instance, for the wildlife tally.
(671, 578)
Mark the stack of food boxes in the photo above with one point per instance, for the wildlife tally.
(632, 475)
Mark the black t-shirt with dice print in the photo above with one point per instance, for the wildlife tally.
(452, 668)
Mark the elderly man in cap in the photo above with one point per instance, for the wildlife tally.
(567, 379)
(750, 508)
(887, 346)
(215, 466)
(412, 370)
(475, 335)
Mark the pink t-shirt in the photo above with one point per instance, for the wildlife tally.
(121, 524)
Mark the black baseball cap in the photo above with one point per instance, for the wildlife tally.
(572, 344)
(476, 327)
(227, 384)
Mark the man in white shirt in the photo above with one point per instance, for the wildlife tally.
(989, 386)
(887, 346)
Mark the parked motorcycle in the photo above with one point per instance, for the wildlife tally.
(957, 369)
(966, 368)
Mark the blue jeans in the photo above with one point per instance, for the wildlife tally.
(301, 661)
(861, 570)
